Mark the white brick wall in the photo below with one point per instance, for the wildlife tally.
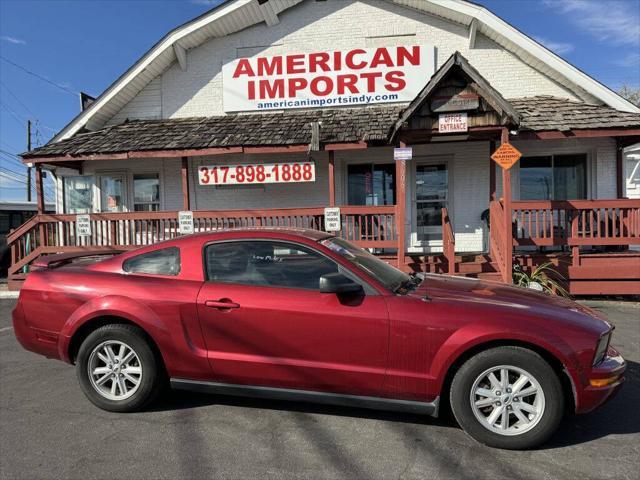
(330, 25)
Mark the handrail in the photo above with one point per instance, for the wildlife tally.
(448, 242)
(22, 229)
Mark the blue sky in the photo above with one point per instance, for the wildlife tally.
(84, 45)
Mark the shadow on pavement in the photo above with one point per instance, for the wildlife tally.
(618, 417)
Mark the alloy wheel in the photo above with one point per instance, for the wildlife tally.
(507, 400)
(114, 370)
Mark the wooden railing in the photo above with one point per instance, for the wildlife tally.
(577, 222)
(366, 226)
(448, 242)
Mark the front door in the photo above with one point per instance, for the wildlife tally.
(430, 195)
(266, 323)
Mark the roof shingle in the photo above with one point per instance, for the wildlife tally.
(541, 113)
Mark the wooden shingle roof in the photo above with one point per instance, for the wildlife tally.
(543, 113)
(343, 125)
(291, 128)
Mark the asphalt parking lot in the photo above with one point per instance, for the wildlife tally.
(49, 430)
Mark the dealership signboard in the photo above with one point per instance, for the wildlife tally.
(327, 79)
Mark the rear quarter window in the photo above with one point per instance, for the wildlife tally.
(158, 262)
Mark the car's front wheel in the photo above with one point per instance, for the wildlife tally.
(117, 369)
(507, 397)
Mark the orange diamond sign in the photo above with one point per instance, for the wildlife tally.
(506, 156)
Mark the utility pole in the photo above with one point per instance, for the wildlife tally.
(28, 168)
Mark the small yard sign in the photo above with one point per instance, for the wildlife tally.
(332, 222)
(402, 153)
(185, 222)
(506, 156)
(83, 225)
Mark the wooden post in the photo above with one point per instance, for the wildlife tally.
(507, 270)
(332, 181)
(39, 189)
(401, 206)
(186, 204)
(492, 172)
(620, 180)
(40, 203)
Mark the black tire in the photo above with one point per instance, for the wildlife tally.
(521, 358)
(152, 378)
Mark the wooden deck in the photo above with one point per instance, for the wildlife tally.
(588, 240)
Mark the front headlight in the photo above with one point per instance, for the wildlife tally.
(601, 348)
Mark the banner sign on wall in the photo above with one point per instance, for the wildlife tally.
(251, 174)
(185, 222)
(452, 122)
(83, 225)
(327, 79)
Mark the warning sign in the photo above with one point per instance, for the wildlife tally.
(506, 156)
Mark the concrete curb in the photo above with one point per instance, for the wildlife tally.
(7, 294)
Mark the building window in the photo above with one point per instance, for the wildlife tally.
(372, 184)
(78, 194)
(553, 177)
(146, 192)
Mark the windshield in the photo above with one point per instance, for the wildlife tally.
(389, 276)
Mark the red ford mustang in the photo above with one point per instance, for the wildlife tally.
(303, 315)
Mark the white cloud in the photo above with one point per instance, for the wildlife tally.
(208, 3)
(630, 60)
(613, 21)
(557, 47)
(14, 40)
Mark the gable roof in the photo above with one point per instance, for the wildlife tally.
(483, 88)
(235, 15)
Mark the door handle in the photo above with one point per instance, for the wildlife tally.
(222, 304)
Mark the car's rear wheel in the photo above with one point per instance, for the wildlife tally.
(117, 368)
(507, 397)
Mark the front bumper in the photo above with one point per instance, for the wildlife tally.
(603, 382)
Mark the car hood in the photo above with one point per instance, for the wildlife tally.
(498, 297)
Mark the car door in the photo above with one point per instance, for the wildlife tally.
(266, 323)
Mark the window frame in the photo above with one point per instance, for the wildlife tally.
(366, 286)
(162, 275)
(589, 174)
(133, 190)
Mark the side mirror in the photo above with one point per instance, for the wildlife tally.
(338, 283)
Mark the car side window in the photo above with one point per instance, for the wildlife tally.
(159, 262)
(266, 263)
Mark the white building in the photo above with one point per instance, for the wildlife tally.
(339, 84)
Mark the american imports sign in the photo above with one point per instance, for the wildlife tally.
(327, 79)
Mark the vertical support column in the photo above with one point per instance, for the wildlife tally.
(186, 204)
(620, 180)
(401, 206)
(40, 203)
(507, 275)
(332, 179)
(492, 172)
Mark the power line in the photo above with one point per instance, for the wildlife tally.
(44, 79)
(15, 115)
(26, 108)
